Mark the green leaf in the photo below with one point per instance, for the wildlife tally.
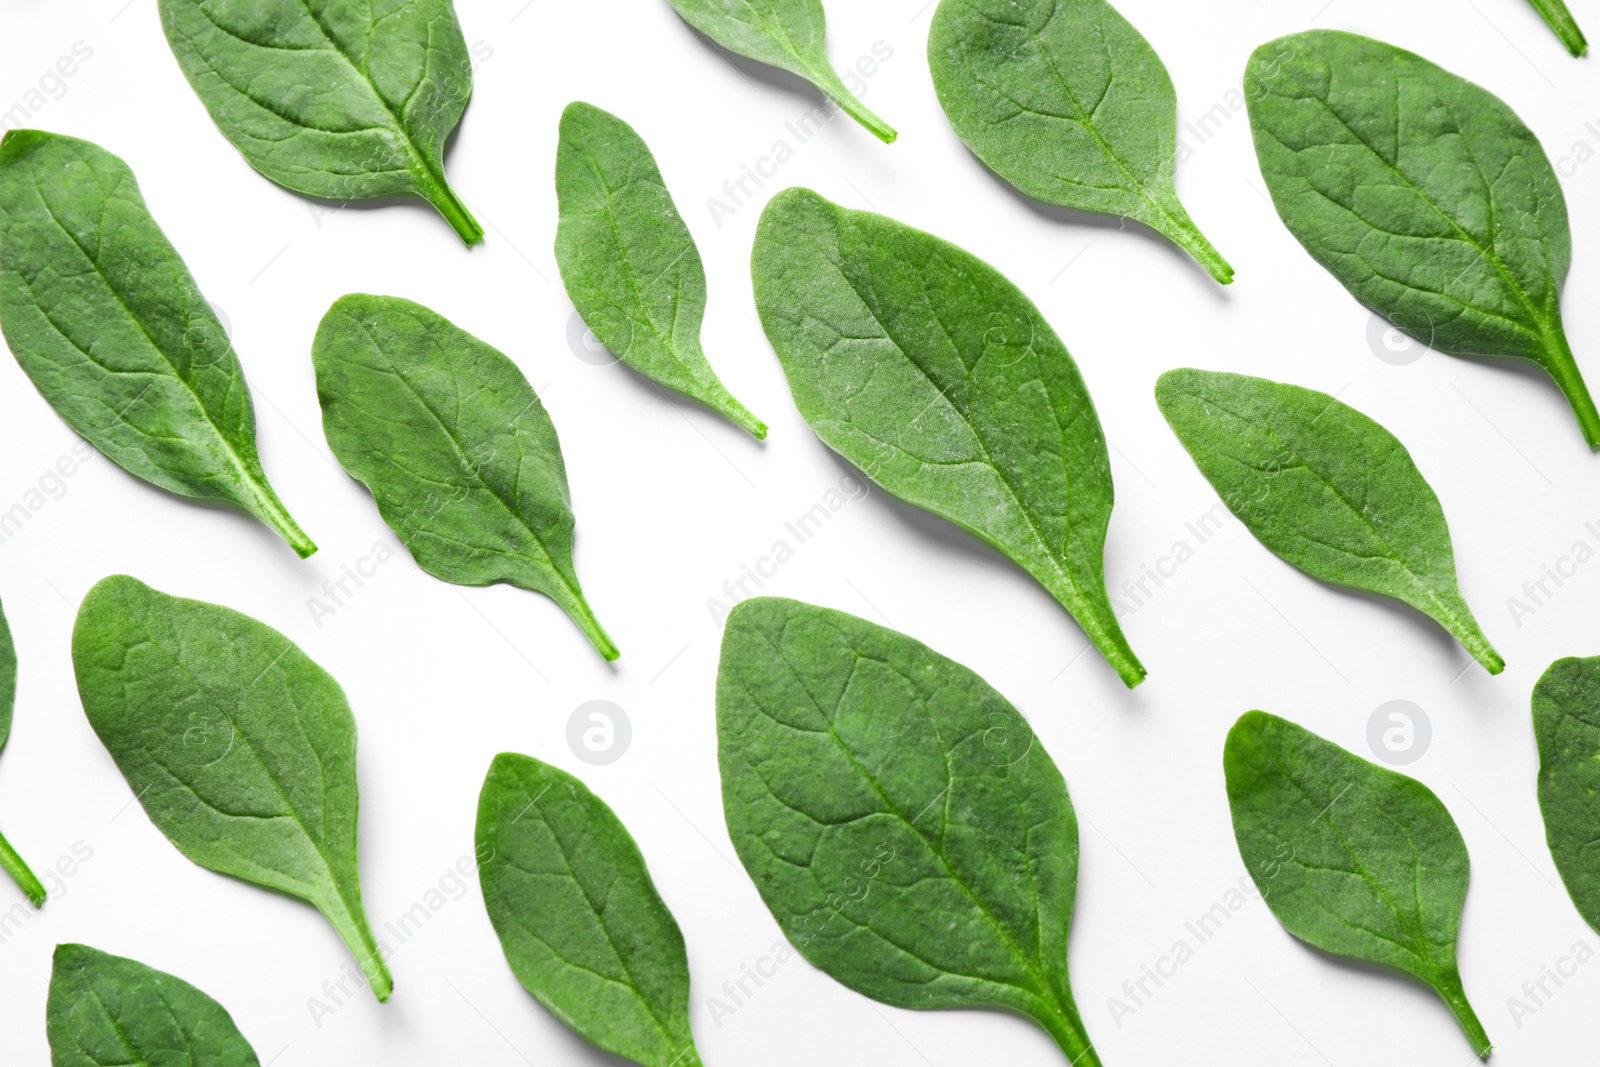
(1070, 104)
(788, 34)
(922, 365)
(898, 816)
(1353, 858)
(241, 749)
(1560, 19)
(456, 447)
(1324, 488)
(628, 262)
(10, 862)
(107, 321)
(339, 101)
(1423, 194)
(1566, 722)
(106, 1009)
(579, 919)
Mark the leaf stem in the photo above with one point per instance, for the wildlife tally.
(1099, 625)
(13, 865)
(1066, 1029)
(828, 81)
(1563, 367)
(578, 610)
(1457, 1002)
(1186, 235)
(442, 197)
(271, 511)
(1560, 19)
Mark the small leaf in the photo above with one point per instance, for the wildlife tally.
(898, 816)
(1560, 20)
(456, 447)
(579, 919)
(1324, 488)
(106, 1009)
(628, 262)
(1566, 722)
(1353, 858)
(110, 326)
(10, 862)
(242, 750)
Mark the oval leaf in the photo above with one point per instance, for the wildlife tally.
(242, 750)
(579, 919)
(1069, 103)
(1566, 722)
(898, 816)
(456, 447)
(10, 862)
(922, 365)
(1324, 488)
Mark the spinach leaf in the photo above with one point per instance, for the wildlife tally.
(107, 1009)
(922, 365)
(1566, 722)
(1069, 103)
(1560, 19)
(10, 862)
(898, 816)
(456, 447)
(579, 919)
(241, 749)
(339, 101)
(627, 259)
(1324, 488)
(1353, 858)
(788, 34)
(1423, 194)
(107, 321)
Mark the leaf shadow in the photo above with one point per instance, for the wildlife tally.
(1400, 984)
(687, 406)
(754, 72)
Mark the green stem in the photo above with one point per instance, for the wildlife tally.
(828, 81)
(1100, 626)
(1563, 367)
(1560, 19)
(270, 510)
(1186, 235)
(1482, 651)
(1457, 1002)
(577, 609)
(442, 197)
(1067, 1031)
(13, 865)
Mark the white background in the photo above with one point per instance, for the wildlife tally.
(671, 503)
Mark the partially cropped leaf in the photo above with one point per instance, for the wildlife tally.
(10, 862)
(456, 447)
(1423, 194)
(1324, 488)
(1068, 102)
(1353, 858)
(340, 101)
(627, 259)
(1560, 19)
(788, 34)
(105, 1009)
(579, 919)
(1566, 722)
(898, 816)
(241, 749)
(107, 321)
(926, 368)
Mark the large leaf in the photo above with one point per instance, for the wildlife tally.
(926, 368)
(346, 101)
(105, 318)
(10, 862)
(1353, 858)
(1068, 102)
(1324, 488)
(627, 259)
(456, 447)
(1422, 193)
(1566, 722)
(241, 749)
(579, 919)
(898, 816)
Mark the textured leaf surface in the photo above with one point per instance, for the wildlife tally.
(1324, 488)
(10, 862)
(346, 101)
(926, 368)
(241, 749)
(1068, 102)
(1353, 858)
(579, 919)
(1423, 194)
(899, 818)
(105, 1009)
(789, 34)
(1566, 722)
(107, 322)
(1561, 21)
(454, 444)
(627, 259)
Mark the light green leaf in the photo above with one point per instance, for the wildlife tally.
(10, 862)
(1566, 722)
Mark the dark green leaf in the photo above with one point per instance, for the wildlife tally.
(10, 862)
(1422, 193)
(1353, 858)
(627, 259)
(579, 919)
(457, 450)
(242, 750)
(105, 318)
(1069, 103)
(926, 368)
(898, 816)
(1560, 19)
(105, 1009)
(1566, 722)
(1324, 488)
